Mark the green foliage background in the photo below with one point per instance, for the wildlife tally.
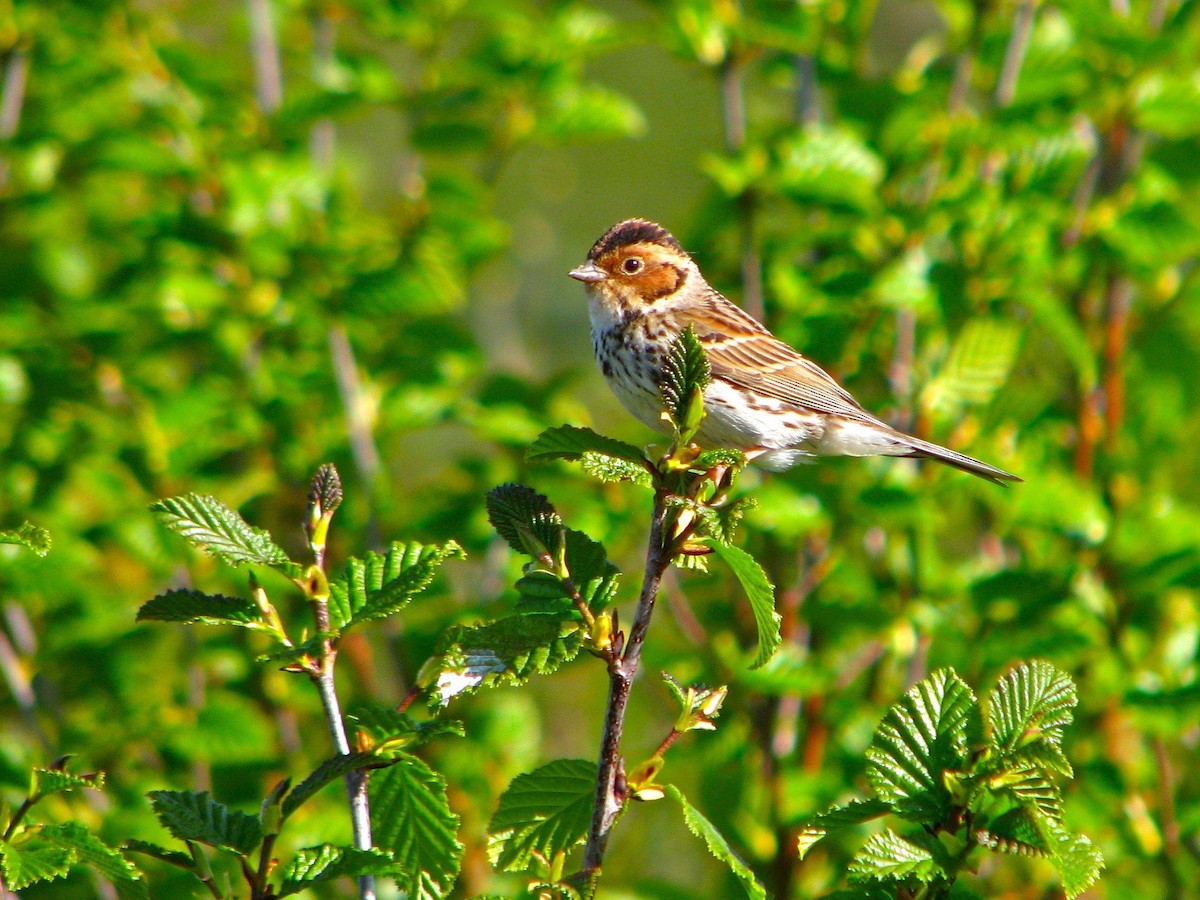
(981, 216)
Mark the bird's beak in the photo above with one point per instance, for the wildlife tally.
(588, 273)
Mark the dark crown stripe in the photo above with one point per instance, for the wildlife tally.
(633, 231)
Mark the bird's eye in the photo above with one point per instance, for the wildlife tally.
(631, 266)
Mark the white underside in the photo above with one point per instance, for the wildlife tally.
(783, 437)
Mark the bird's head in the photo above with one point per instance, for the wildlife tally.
(636, 264)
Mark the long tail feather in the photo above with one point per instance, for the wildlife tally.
(960, 461)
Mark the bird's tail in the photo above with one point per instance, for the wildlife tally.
(959, 461)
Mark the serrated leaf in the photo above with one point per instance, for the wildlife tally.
(191, 816)
(761, 594)
(1032, 702)
(106, 860)
(32, 862)
(978, 365)
(48, 781)
(29, 536)
(1017, 831)
(388, 730)
(611, 470)
(174, 857)
(717, 845)
(379, 585)
(594, 576)
(926, 733)
(189, 606)
(1078, 861)
(207, 523)
(830, 165)
(542, 813)
(887, 856)
(330, 770)
(507, 651)
(721, 456)
(1030, 787)
(312, 865)
(573, 443)
(1044, 755)
(853, 813)
(515, 508)
(685, 375)
(411, 818)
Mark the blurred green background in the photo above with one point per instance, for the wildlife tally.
(240, 239)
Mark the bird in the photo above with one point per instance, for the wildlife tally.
(764, 398)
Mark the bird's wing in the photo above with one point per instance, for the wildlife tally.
(753, 359)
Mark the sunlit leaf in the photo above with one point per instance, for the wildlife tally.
(411, 818)
(925, 734)
(542, 813)
(717, 845)
(761, 594)
(210, 525)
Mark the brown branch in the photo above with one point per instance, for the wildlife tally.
(610, 782)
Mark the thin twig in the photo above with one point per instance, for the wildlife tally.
(323, 134)
(264, 49)
(356, 780)
(1014, 54)
(358, 424)
(733, 111)
(12, 98)
(610, 787)
(808, 105)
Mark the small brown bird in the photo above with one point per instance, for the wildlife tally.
(764, 399)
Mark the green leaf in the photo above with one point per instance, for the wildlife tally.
(1031, 788)
(312, 865)
(593, 575)
(1017, 831)
(107, 861)
(1033, 702)
(33, 861)
(853, 813)
(519, 513)
(55, 780)
(887, 856)
(507, 651)
(611, 470)
(191, 816)
(542, 813)
(207, 523)
(380, 585)
(411, 817)
(978, 365)
(928, 732)
(331, 769)
(186, 605)
(761, 594)
(685, 375)
(29, 536)
(573, 443)
(1078, 861)
(174, 857)
(700, 826)
(830, 165)
(389, 730)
